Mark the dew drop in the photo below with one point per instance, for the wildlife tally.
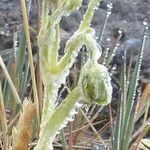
(113, 55)
(96, 7)
(120, 31)
(117, 45)
(86, 108)
(108, 49)
(109, 6)
(108, 39)
(64, 124)
(110, 74)
(57, 132)
(145, 22)
(109, 12)
(74, 111)
(78, 104)
(55, 84)
(105, 146)
(71, 118)
(114, 68)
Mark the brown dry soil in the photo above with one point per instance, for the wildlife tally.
(127, 15)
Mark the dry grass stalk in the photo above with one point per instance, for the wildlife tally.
(143, 97)
(12, 86)
(21, 134)
(3, 120)
(27, 33)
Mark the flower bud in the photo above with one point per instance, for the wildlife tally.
(95, 83)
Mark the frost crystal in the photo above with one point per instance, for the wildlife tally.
(145, 22)
(109, 6)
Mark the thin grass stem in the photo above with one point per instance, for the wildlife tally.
(63, 140)
(3, 120)
(26, 27)
(7, 76)
(93, 128)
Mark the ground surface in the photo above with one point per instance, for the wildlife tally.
(127, 15)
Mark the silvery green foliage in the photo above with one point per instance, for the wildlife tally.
(65, 6)
(95, 83)
(54, 71)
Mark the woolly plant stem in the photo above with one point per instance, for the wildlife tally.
(48, 40)
(50, 94)
(93, 4)
(57, 120)
(54, 72)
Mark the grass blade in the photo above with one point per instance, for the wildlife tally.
(26, 27)
(131, 98)
(6, 74)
